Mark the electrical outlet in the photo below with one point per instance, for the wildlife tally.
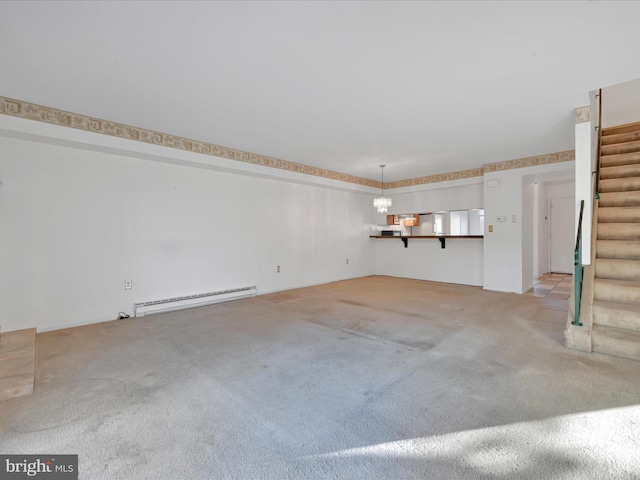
(347, 261)
(278, 269)
(128, 284)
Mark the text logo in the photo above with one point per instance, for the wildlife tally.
(50, 467)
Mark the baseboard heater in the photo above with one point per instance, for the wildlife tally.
(189, 301)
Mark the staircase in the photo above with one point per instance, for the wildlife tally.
(616, 277)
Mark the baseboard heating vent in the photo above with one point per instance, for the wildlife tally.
(190, 301)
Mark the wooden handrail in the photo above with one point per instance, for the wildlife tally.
(599, 146)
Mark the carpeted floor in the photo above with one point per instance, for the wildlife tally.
(373, 378)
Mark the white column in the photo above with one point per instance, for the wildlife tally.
(584, 187)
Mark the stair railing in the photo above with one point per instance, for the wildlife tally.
(577, 255)
(599, 145)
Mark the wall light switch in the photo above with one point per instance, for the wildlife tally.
(514, 219)
(490, 228)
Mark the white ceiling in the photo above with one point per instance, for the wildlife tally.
(424, 87)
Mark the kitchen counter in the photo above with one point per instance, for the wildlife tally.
(405, 238)
(449, 259)
(426, 236)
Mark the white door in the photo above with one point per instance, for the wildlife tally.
(562, 240)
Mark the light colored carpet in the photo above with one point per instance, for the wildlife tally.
(373, 378)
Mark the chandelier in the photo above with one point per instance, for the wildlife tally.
(382, 203)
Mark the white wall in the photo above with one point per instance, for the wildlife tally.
(461, 261)
(82, 212)
(561, 190)
(452, 195)
(503, 248)
(426, 225)
(541, 230)
(528, 235)
(621, 103)
(76, 222)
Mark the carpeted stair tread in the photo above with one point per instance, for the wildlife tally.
(616, 290)
(617, 148)
(618, 129)
(620, 159)
(619, 231)
(617, 315)
(616, 287)
(618, 269)
(618, 249)
(616, 341)
(619, 199)
(621, 137)
(620, 184)
(620, 171)
(619, 214)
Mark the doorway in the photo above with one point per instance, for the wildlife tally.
(562, 215)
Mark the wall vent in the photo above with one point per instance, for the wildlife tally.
(189, 301)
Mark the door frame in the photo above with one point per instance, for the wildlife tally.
(549, 199)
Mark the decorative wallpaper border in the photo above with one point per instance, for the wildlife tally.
(31, 111)
(441, 177)
(583, 114)
(546, 159)
(40, 113)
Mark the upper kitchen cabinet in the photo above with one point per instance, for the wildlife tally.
(393, 219)
(413, 221)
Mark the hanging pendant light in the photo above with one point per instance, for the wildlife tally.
(382, 203)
